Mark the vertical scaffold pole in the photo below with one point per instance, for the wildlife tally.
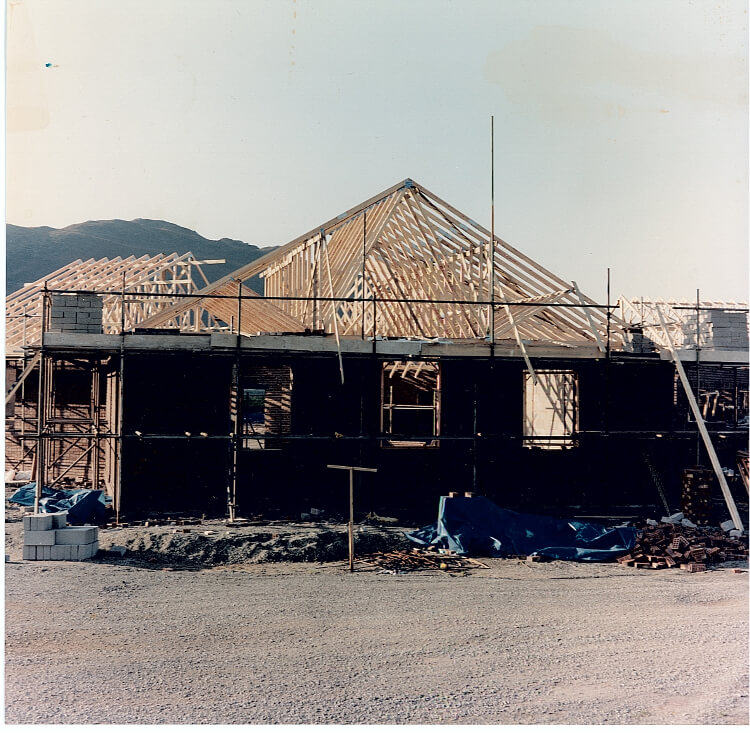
(41, 406)
(491, 263)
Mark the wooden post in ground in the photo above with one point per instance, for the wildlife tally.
(351, 470)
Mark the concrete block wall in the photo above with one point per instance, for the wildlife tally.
(48, 537)
(722, 330)
(75, 314)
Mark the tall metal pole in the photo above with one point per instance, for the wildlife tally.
(492, 231)
(41, 408)
(609, 317)
(237, 423)
(698, 368)
(120, 405)
(95, 387)
(364, 259)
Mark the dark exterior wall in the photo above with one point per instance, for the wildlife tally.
(496, 464)
(173, 394)
(625, 395)
(340, 424)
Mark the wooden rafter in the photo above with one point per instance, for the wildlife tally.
(148, 276)
(420, 250)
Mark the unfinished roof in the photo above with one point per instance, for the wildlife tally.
(148, 279)
(426, 265)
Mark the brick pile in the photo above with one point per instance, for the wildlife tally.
(696, 494)
(670, 545)
(48, 537)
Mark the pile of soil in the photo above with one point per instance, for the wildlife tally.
(212, 543)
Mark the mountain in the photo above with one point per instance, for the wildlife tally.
(32, 252)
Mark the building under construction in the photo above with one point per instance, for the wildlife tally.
(399, 336)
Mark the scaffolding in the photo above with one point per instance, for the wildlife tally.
(403, 265)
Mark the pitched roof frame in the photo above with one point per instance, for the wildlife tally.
(412, 252)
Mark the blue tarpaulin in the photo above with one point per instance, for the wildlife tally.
(82, 506)
(477, 526)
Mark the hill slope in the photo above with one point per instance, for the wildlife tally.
(33, 252)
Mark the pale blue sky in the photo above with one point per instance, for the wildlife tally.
(620, 126)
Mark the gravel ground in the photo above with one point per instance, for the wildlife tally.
(293, 643)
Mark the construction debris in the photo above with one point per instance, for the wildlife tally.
(674, 518)
(696, 494)
(668, 545)
(397, 561)
(376, 520)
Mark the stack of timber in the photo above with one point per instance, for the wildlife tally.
(696, 494)
(398, 561)
(677, 546)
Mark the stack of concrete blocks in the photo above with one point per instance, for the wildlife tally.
(696, 326)
(729, 330)
(718, 329)
(48, 537)
(639, 343)
(75, 314)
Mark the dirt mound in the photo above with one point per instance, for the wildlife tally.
(207, 545)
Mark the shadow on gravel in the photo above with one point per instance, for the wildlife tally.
(146, 563)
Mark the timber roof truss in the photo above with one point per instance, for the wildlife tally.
(407, 264)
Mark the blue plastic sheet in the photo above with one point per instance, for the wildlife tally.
(82, 506)
(477, 526)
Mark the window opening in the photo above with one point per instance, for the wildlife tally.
(550, 416)
(410, 404)
(266, 407)
(722, 405)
